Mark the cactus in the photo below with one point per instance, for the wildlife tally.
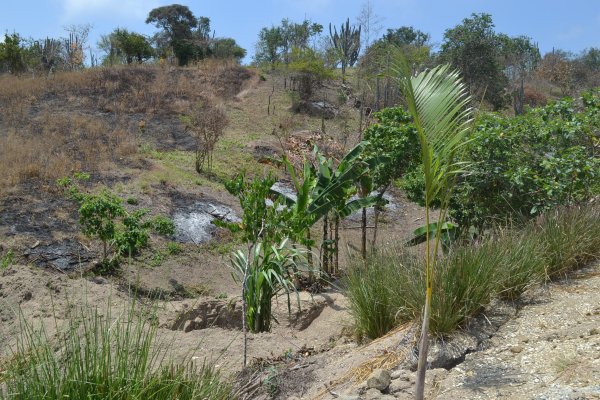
(346, 43)
(50, 57)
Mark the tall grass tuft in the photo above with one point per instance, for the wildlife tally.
(524, 262)
(373, 303)
(101, 357)
(571, 236)
(466, 280)
(387, 289)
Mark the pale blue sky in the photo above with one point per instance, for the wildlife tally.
(570, 25)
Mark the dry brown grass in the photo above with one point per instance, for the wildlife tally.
(50, 127)
(55, 145)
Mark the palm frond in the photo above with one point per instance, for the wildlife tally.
(439, 103)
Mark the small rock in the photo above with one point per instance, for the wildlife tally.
(397, 374)
(516, 349)
(27, 296)
(349, 397)
(399, 385)
(523, 339)
(380, 379)
(594, 331)
(188, 326)
(98, 280)
(373, 394)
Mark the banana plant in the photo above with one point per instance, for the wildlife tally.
(343, 203)
(439, 103)
(324, 189)
(448, 234)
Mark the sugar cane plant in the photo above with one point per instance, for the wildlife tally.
(439, 104)
(265, 274)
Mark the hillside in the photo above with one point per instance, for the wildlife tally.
(125, 127)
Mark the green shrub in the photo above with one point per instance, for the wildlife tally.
(101, 357)
(523, 166)
(174, 248)
(520, 167)
(395, 139)
(104, 217)
(7, 259)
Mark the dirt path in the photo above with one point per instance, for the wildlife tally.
(551, 350)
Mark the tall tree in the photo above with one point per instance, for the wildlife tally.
(407, 36)
(475, 50)
(557, 68)
(412, 43)
(297, 36)
(269, 45)
(226, 48)
(346, 43)
(12, 53)
(203, 31)
(591, 58)
(277, 43)
(178, 22)
(133, 46)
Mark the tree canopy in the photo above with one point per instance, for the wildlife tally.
(474, 49)
(177, 20)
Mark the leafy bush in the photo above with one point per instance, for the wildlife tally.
(174, 248)
(394, 138)
(7, 259)
(308, 70)
(104, 357)
(104, 217)
(260, 221)
(522, 166)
